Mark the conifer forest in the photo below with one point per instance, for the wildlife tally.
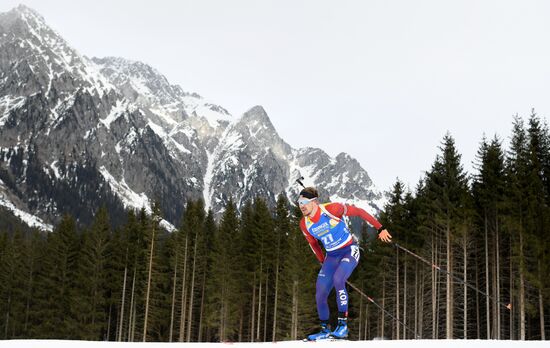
(469, 259)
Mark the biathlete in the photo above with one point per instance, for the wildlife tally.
(325, 223)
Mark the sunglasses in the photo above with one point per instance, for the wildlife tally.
(304, 201)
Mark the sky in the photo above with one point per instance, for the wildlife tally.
(383, 81)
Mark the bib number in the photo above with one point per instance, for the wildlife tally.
(328, 239)
(355, 252)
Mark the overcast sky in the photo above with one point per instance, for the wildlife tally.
(380, 80)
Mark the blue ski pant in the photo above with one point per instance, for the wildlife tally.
(338, 266)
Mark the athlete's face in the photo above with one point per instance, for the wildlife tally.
(307, 206)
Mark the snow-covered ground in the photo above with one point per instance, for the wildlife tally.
(285, 344)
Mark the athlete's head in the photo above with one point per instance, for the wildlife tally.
(308, 200)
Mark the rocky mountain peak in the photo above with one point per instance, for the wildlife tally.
(33, 52)
(258, 123)
(26, 14)
(140, 78)
(75, 132)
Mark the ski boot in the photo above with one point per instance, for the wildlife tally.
(341, 331)
(321, 335)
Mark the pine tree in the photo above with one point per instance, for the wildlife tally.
(223, 315)
(264, 256)
(56, 284)
(539, 210)
(247, 263)
(488, 191)
(448, 193)
(207, 258)
(154, 310)
(89, 298)
(281, 314)
(517, 219)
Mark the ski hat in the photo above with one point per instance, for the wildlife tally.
(309, 193)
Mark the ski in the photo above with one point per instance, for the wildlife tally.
(328, 339)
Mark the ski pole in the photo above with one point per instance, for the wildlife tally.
(370, 299)
(507, 306)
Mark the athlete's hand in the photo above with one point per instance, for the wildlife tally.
(385, 236)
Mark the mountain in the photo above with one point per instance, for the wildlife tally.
(77, 133)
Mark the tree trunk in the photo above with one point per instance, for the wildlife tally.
(397, 297)
(202, 306)
(222, 316)
(183, 293)
(521, 286)
(478, 319)
(173, 308)
(134, 322)
(361, 313)
(274, 331)
(109, 322)
(434, 289)
(497, 272)
(259, 320)
(449, 283)
(266, 307)
(487, 290)
(541, 305)
(132, 313)
(148, 292)
(383, 321)
(123, 302)
(416, 286)
(192, 290)
(465, 279)
(253, 315)
(405, 297)
(366, 320)
(511, 290)
(294, 320)
(421, 305)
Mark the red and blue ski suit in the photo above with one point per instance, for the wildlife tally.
(342, 253)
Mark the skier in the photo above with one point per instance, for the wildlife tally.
(325, 222)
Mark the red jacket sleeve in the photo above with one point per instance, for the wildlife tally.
(339, 210)
(312, 242)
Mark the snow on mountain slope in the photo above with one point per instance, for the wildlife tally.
(30, 220)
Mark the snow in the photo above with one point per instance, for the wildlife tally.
(31, 220)
(198, 106)
(162, 112)
(208, 180)
(116, 111)
(130, 198)
(157, 129)
(64, 55)
(53, 165)
(283, 344)
(167, 226)
(88, 133)
(233, 141)
(125, 193)
(9, 103)
(311, 174)
(168, 140)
